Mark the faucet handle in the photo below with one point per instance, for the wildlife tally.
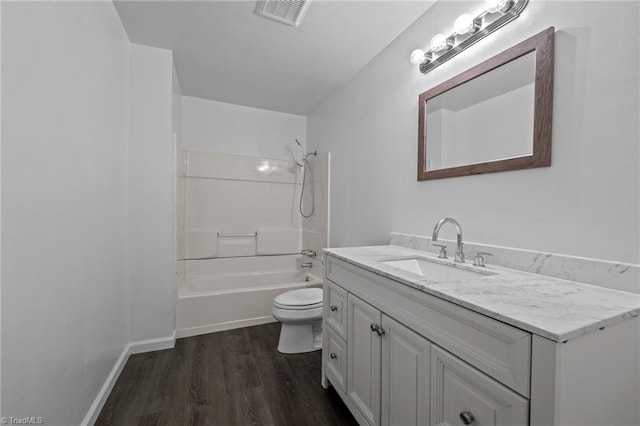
(443, 251)
(310, 253)
(479, 260)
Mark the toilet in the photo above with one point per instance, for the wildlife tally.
(300, 312)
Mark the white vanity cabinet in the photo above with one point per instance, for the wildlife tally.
(397, 355)
(396, 375)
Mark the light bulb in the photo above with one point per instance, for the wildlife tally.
(439, 42)
(463, 24)
(417, 57)
(494, 6)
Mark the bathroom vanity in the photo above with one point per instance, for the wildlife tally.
(410, 339)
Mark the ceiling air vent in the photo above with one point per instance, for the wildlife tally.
(288, 12)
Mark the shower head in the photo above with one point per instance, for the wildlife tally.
(309, 154)
(305, 154)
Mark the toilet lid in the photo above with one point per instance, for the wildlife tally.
(306, 297)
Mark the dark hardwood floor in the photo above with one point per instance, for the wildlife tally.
(234, 377)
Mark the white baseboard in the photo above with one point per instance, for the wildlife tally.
(142, 346)
(230, 325)
(137, 347)
(101, 398)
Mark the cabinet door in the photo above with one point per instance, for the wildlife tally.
(336, 364)
(462, 395)
(336, 315)
(405, 375)
(363, 354)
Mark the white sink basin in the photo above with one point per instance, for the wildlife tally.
(434, 271)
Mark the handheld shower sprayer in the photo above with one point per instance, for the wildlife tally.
(305, 155)
(304, 164)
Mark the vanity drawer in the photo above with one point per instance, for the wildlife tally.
(499, 350)
(460, 394)
(336, 311)
(336, 367)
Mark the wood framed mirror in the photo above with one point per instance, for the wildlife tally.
(493, 117)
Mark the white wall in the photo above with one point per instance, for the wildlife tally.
(151, 206)
(219, 127)
(65, 73)
(179, 181)
(176, 105)
(585, 204)
(0, 214)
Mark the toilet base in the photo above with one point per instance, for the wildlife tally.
(300, 338)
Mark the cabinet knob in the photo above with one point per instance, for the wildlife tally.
(466, 417)
(377, 329)
(334, 308)
(334, 356)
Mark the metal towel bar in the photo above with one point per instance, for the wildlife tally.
(233, 235)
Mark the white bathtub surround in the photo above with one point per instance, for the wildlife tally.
(241, 207)
(555, 309)
(201, 244)
(230, 198)
(221, 294)
(210, 165)
(315, 229)
(272, 241)
(602, 273)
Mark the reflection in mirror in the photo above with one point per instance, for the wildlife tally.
(493, 117)
(488, 118)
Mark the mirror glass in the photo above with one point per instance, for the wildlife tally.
(493, 117)
(487, 118)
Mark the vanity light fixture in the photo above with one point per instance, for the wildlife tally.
(467, 30)
(464, 24)
(439, 43)
(494, 6)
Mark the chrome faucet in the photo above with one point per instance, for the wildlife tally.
(459, 253)
(310, 253)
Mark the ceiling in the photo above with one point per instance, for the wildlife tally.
(225, 52)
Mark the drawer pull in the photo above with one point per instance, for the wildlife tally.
(374, 327)
(334, 356)
(334, 308)
(466, 417)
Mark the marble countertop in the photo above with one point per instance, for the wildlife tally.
(549, 307)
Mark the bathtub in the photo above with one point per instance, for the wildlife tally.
(222, 294)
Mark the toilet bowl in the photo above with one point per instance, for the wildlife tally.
(300, 312)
